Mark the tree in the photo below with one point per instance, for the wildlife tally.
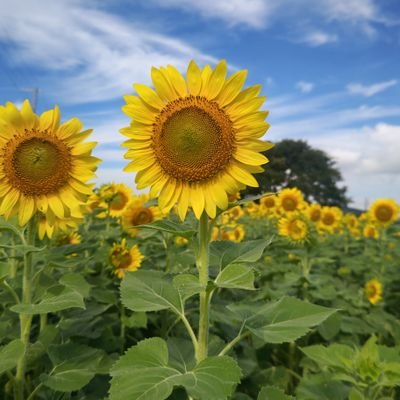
(294, 163)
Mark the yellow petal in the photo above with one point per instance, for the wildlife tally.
(183, 203)
(244, 108)
(26, 209)
(139, 164)
(149, 96)
(210, 206)
(205, 77)
(70, 128)
(50, 120)
(254, 144)
(177, 81)
(42, 203)
(232, 87)
(219, 196)
(166, 194)
(193, 76)
(56, 206)
(28, 114)
(139, 113)
(162, 85)
(250, 120)
(83, 148)
(248, 93)
(9, 200)
(81, 187)
(197, 200)
(252, 132)
(217, 80)
(241, 175)
(249, 157)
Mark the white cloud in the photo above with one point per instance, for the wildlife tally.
(304, 86)
(318, 38)
(370, 90)
(98, 54)
(253, 13)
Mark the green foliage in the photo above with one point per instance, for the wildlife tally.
(10, 354)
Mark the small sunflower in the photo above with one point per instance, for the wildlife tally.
(195, 141)
(290, 200)
(124, 259)
(330, 219)
(371, 231)
(137, 213)
(116, 197)
(235, 235)
(384, 211)
(313, 212)
(45, 164)
(373, 290)
(64, 238)
(268, 204)
(48, 224)
(294, 228)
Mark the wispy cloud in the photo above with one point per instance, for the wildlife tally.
(304, 86)
(370, 90)
(99, 54)
(317, 38)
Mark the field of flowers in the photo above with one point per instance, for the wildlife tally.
(189, 292)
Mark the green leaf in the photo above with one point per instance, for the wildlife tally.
(225, 252)
(143, 373)
(5, 269)
(74, 366)
(56, 298)
(283, 321)
(8, 226)
(150, 291)
(248, 199)
(136, 320)
(176, 229)
(188, 285)
(336, 355)
(355, 395)
(236, 276)
(10, 354)
(24, 248)
(273, 393)
(77, 282)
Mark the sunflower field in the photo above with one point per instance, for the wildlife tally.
(188, 291)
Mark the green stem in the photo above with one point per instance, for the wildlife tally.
(43, 322)
(122, 327)
(25, 319)
(202, 266)
(190, 332)
(37, 388)
(11, 290)
(233, 342)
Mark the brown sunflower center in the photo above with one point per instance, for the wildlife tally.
(142, 216)
(328, 219)
(193, 139)
(289, 203)
(37, 163)
(119, 201)
(269, 202)
(384, 213)
(121, 258)
(315, 215)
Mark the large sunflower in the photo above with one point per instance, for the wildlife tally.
(44, 164)
(384, 211)
(195, 141)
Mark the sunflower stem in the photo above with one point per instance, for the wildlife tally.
(25, 319)
(202, 266)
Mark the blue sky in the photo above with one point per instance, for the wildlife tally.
(330, 69)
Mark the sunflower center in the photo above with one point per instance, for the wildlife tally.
(384, 213)
(119, 201)
(289, 204)
(315, 215)
(37, 163)
(121, 258)
(143, 216)
(193, 139)
(328, 219)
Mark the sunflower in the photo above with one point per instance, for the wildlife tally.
(371, 231)
(116, 197)
(45, 165)
(313, 212)
(123, 259)
(195, 141)
(384, 211)
(64, 238)
(294, 228)
(373, 291)
(137, 213)
(268, 204)
(291, 200)
(330, 219)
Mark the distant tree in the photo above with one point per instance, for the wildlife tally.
(294, 163)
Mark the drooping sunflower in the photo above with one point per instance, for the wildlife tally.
(195, 141)
(124, 259)
(384, 211)
(115, 198)
(290, 200)
(137, 213)
(373, 290)
(45, 164)
(294, 228)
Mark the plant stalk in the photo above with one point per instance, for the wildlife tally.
(202, 266)
(25, 319)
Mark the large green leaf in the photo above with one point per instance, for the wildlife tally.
(150, 291)
(188, 285)
(144, 373)
(10, 354)
(336, 355)
(273, 393)
(74, 366)
(236, 276)
(77, 282)
(56, 298)
(225, 252)
(283, 321)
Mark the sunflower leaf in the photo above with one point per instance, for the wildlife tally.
(174, 228)
(236, 276)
